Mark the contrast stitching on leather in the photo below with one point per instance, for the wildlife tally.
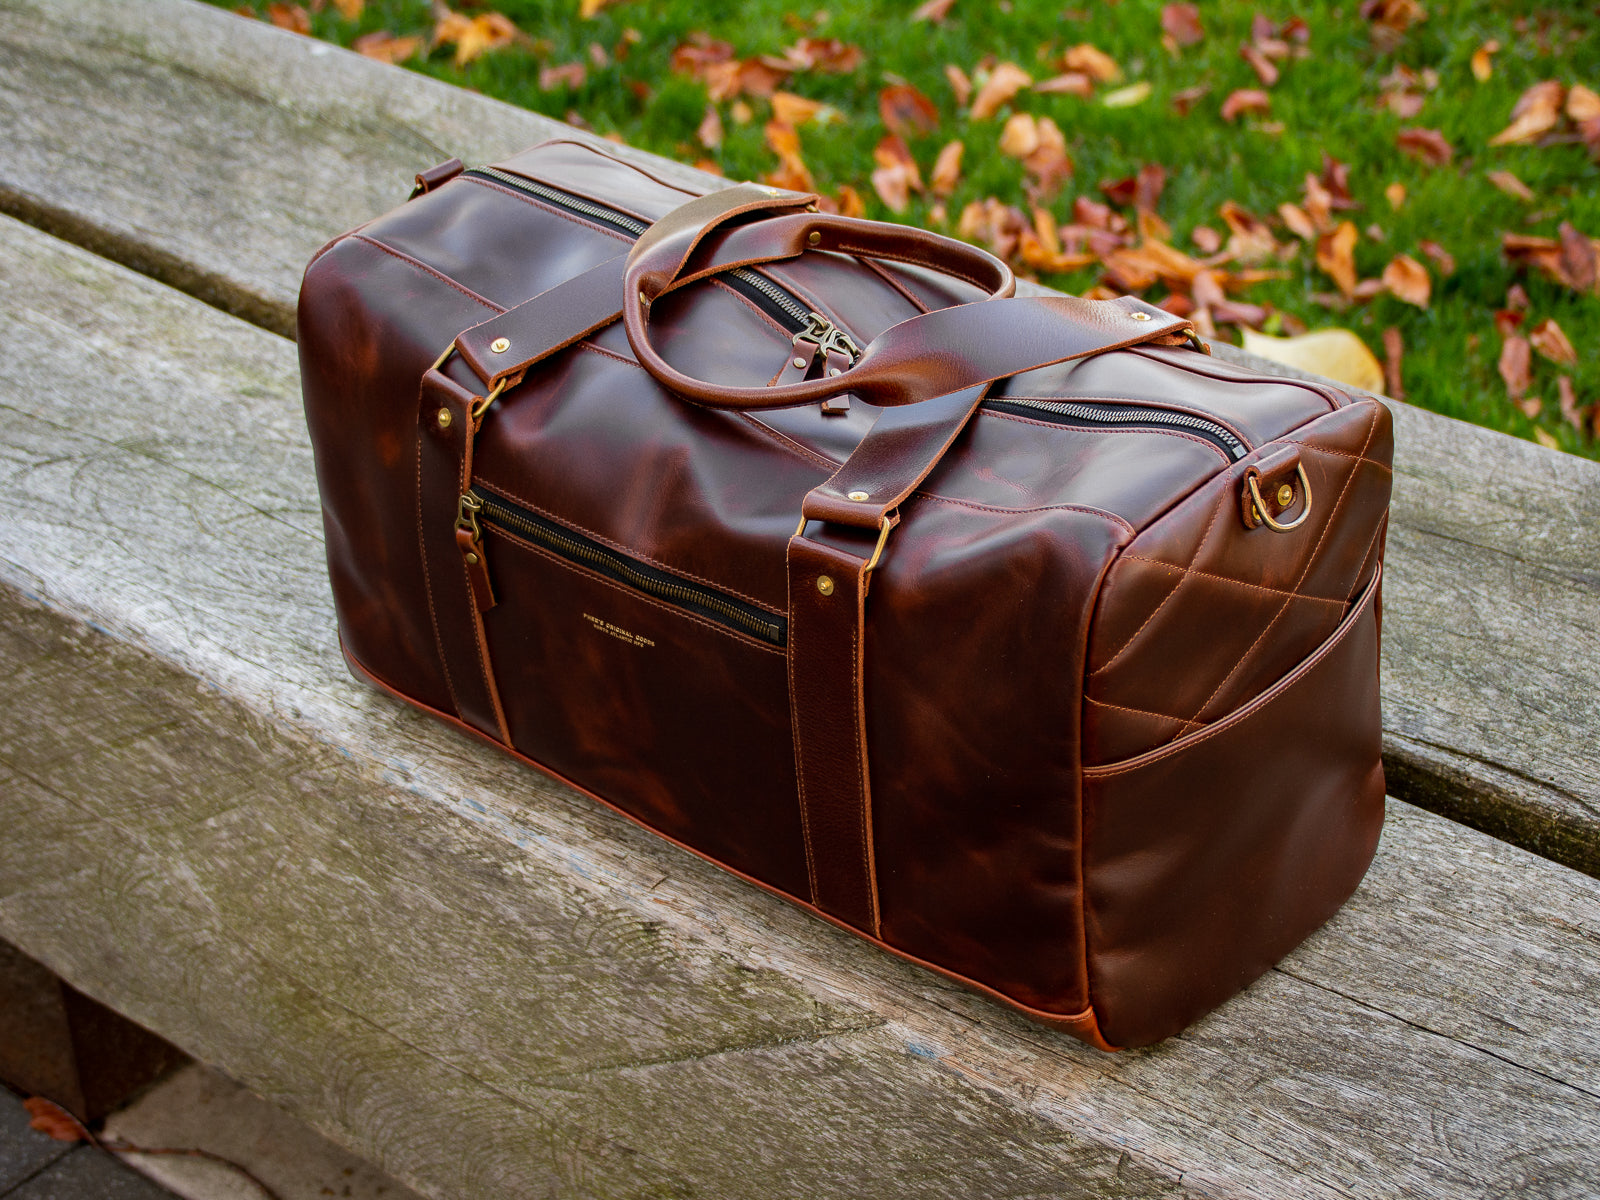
(794, 732)
(631, 552)
(1256, 587)
(633, 593)
(1222, 725)
(427, 581)
(426, 269)
(882, 272)
(1328, 524)
(998, 510)
(1327, 395)
(1146, 712)
(1223, 496)
(811, 456)
(610, 159)
(1168, 432)
(549, 208)
(1385, 467)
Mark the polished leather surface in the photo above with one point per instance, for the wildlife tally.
(1056, 605)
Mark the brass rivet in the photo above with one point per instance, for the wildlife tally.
(799, 362)
(1285, 496)
(1140, 316)
(813, 238)
(500, 345)
(643, 301)
(835, 371)
(774, 192)
(825, 585)
(472, 558)
(444, 418)
(859, 496)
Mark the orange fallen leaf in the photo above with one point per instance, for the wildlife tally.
(1251, 239)
(563, 75)
(1092, 61)
(1071, 83)
(1580, 258)
(1511, 185)
(1394, 350)
(946, 169)
(792, 172)
(1582, 103)
(350, 10)
(1245, 100)
(960, 85)
(850, 202)
(1482, 67)
(1020, 137)
(906, 111)
(48, 1117)
(1442, 258)
(292, 17)
(710, 130)
(1127, 97)
(792, 110)
(1513, 365)
(1428, 145)
(1206, 239)
(932, 10)
(1298, 222)
(1390, 19)
(1181, 22)
(588, 8)
(473, 36)
(1186, 99)
(1408, 280)
(896, 175)
(386, 47)
(1549, 340)
(1336, 256)
(1395, 193)
(828, 55)
(1536, 111)
(1568, 398)
(1004, 82)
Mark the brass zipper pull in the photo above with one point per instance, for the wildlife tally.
(469, 540)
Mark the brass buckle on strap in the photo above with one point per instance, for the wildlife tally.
(877, 551)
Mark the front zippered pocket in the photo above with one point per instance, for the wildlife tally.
(487, 509)
(1099, 414)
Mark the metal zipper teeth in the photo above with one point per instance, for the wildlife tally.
(746, 618)
(1087, 414)
(789, 306)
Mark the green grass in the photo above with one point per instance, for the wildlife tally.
(1326, 103)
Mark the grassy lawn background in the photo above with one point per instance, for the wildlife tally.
(1330, 102)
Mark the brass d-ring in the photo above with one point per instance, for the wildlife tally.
(481, 406)
(1266, 517)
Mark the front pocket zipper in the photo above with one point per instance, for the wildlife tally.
(489, 510)
(1123, 416)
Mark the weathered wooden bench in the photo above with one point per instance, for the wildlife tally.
(491, 987)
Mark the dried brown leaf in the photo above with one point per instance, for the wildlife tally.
(946, 172)
(960, 85)
(1513, 365)
(1181, 22)
(1395, 193)
(828, 55)
(1536, 112)
(896, 175)
(1004, 82)
(292, 17)
(1251, 239)
(906, 111)
(932, 10)
(793, 110)
(1442, 258)
(473, 36)
(1428, 145)
(1298, 222)
(1020, 137)
(1407, 280)
(565, 75)
(1578, 261)
(1511, 185)
(386, 47)
(1336, 256)
(1549, 340)
(589, 8)
(1582, 103)
(1394, 351)
(1206, 239)
(1264, 68)
(1092, 61)
(1245, 100)
(47, 1117)
(710, 130)
(350, 10)
(1071, 83)
(1185, 100)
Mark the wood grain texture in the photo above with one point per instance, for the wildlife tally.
(266, 144)
(492, 987)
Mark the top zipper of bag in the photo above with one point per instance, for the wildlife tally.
(813, 328)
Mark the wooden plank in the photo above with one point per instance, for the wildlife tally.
(492, 987)
(271, 143)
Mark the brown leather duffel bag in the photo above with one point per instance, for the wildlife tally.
(1017, 635)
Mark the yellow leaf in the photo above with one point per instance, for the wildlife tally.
(1134, 93)
(1020, 137)
(794, 110)
(1396, 194)
(588, 8)
(1547, 440)
(1482, 68)
(1336, 353)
